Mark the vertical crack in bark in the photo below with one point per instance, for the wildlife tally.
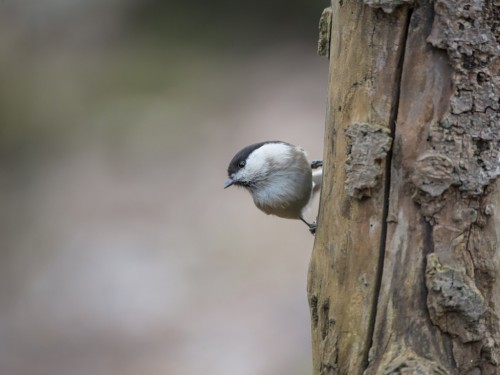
(387, 188)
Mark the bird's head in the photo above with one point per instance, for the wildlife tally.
(255, 164)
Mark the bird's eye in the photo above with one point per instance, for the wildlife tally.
(242, 163)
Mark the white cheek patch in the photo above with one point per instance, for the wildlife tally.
(262, 159)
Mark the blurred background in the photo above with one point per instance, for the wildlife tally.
(120, 253)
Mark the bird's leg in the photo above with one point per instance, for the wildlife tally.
(316, 164)
(312, 226)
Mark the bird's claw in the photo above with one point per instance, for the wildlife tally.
(312, 228)
(316, 164)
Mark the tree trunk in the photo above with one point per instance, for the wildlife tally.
(403, 275)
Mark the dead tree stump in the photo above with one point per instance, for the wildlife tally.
(404, 275)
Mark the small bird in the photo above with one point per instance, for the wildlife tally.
(279, 177)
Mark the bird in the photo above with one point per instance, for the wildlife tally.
(279, 177)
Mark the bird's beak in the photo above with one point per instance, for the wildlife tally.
(228, 182)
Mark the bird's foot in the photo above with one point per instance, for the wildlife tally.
(312, 226)
(316, 164)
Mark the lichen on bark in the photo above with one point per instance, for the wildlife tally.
(368, 145)
(455, 304)
(469, 134)
(410, 363)
(325, 27)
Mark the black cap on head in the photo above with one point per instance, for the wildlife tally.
(242, 155)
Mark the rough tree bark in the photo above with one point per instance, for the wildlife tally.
(403, 277)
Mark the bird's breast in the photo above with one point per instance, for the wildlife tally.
(284, 195)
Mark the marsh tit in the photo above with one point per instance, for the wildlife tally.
(278, 175)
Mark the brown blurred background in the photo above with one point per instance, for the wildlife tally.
(120, 253)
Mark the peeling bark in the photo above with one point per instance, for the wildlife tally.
(410, 363)
(325, 28)
(407, 251)
(367, 147)
(388, 6)
(455, 304)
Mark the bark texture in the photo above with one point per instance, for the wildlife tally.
(404, 274)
